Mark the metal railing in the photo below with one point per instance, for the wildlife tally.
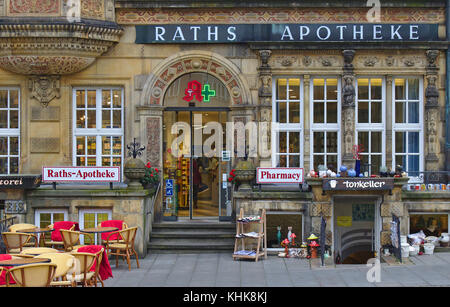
(430, 177)
(4, 225)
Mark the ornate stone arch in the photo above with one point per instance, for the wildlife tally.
(195, 61)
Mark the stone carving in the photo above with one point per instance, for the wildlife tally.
(431, 92)
(265, 75)
(264, 55)
(431, 118)
(266, 88)
(34, 7)
(409, 62)
(348, 92)
(153, 141)
(431, 58)
(348, 59)
(390, 60)
(370, 61)
(349, 127)
(307, 60)
(326, 62)
(44, 88)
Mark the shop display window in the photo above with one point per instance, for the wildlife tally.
(277, 227)
(9, 131)
(431, 224)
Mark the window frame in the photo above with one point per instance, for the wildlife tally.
(286, 127)
(325, 127)
(96, 211)
(429, 213)
(372, 127)
(97, 132)
(12, 132)
(37, 212)
(409, 127)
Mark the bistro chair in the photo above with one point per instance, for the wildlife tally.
(15, 242)
(33, 275)
(64, 263)
(124, 249)
(112, 223)
(56, 243)
(36, 251)
(81, 273)
(71, 239)
(22, 226)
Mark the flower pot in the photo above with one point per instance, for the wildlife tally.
(245, 173)
(134, 170)
(405, 250)
(429, 248)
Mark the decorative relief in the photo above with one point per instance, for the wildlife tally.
(431, 92)
(286, 61)
(277, 15)
(390, 61)
(44, 88)
(34, 7)
(370, 61)
(411, 61)
(307, 61)
(153, 141)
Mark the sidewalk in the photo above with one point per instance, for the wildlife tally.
(219, 270)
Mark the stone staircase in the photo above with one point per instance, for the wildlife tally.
(192, 237)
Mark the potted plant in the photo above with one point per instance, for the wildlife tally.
(151, 177)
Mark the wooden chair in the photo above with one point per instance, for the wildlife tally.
(33, 275)
(82, 274)
(15, 241)
(64, 263)
(56, 244)
(124, 226)
(124, 249)
(22, 226)
(71, 239)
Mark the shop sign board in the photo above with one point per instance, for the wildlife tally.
(248, 33)
(357, 184)
(279, 175)
(20, 181)
(81, 174)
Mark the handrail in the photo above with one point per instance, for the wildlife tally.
(153, 199)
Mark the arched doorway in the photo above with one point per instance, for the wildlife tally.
(195, 113)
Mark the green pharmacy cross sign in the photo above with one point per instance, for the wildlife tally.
(199, 92)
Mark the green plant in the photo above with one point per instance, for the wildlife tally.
(151, 174)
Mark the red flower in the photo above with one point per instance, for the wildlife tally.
(151, 175)
(156, 170)
(230, 179)
(148, 165)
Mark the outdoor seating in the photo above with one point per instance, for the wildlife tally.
(33, 275)
(15, 242)
(35, 251)
(64, 263)
(23, 226)
(71, 239)
(81, 273)
(119, 224)
(102, 267)
(56, 237)
(124, 249)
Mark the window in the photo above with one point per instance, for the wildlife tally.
(432, 224)
(325, 122)
(288, 117)
(98, 127)
(370, 125)
(9, 130)
(45, 217)
(407, 138)
(90, 218)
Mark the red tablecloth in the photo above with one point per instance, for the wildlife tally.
(3, 275)
(112, 223)
(56, 234)
(104, 271)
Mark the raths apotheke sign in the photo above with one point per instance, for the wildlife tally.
(247, 33)
(279, 175)
(357, 184)
(81, 174)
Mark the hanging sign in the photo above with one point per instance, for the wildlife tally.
(357, 184)
(81, 174)
(279, 175)
(198, 91)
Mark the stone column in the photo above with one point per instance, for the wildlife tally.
(265, 106)
(307, 163)
(348, 108)
(389, 148)
(431, 112)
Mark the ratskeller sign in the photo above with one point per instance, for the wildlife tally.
(246, 33)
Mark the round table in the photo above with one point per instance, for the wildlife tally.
(40, 231)
(99, 230)
(23, 261)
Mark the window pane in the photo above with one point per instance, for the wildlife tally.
(91, 149)
(101, 217)
(117, 99)
(375, 164)
(106, 142)
(332, 112)
(375, 112)
(117, 145)
(376, 87)
(81, 161)
(106, 119)
(294, 142)
(81, 119)
(4, 165)
(117, 119)
(282, 112)
(283, 142)
(106, 161)
(363, 112)
(14, 146)
(318, 160)
(13, 119)
(294, 161)
(363, 89)
(3, 98)
(331, 89)
(44, 220)
(58, 217)
(332, 162)
(91, 118)
(80, 99)
(400, 160)
(400, 142)
(400, 112)
(3, 145)
(106, 99)
(3, 119)
(117, 161)
(413, 112)
(400, 89)
(14, 165)
(319, 111)
(91, 99)
(430, 224)
(318, 89)
(81, 150)
(413, 142)
(363, 139)
(413, 89)
(281, 89)
(318, 142)
(413, 165)
(376, 142)
(332, 142)
(294, 112)
(91, 161)
(14, 99)
(364, 162)
(282, 161)
(294, 89)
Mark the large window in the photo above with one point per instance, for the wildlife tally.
(370, 124)
(45, 217)
(98, 127)
(90, 218)
(325, 122)
(9, 130)
(288, 119)
(407, 124)
(432, 224)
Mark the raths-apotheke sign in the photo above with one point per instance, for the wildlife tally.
(247, 33)
(81, 174)
(357, 184)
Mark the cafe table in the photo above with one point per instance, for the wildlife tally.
(41, 232)
(23, 261)
(99, 230)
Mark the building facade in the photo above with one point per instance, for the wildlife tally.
(80, 83)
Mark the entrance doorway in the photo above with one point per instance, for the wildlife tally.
(355, 230)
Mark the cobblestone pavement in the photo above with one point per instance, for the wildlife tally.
(219, 270)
